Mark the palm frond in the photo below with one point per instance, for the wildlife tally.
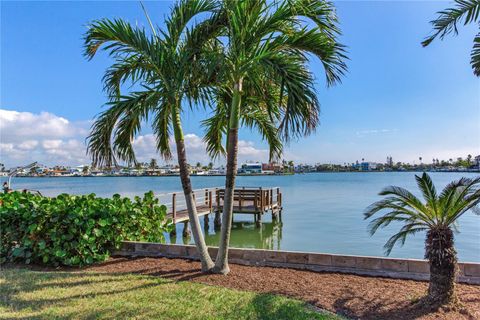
(475, 55)
(426, 186)
(181, 14)
(447, 20)
(133, 68)
(161, 129)
(99, 144)
(438, 212)
(137, 107)
(409, 198)
(118, 37)
(258, 119)
(466, 11)
(216, 128)
(408, 229)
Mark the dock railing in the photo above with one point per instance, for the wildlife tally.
(246, 200)
(252, 199)
(176, 202)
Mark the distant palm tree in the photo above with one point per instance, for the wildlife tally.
(465, 11)
(270, 40)
(153, 164)
(168, 69)
(438, 216)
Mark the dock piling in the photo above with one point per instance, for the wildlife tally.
(217, 222)
(186, 229)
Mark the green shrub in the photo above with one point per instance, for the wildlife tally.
(75, 230)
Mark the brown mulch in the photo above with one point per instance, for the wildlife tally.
(349, 295)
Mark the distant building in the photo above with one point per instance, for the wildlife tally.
(272, 167)
(365, 166)
(250, 168)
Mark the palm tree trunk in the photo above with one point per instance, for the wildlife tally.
(441, 254)
(207, 263)
(221, 262)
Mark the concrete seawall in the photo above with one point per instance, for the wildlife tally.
(362, 265)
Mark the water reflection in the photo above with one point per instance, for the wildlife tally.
(245, 234)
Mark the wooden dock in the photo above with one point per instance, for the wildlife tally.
(247, 200)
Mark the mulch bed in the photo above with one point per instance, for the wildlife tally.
(349, 295)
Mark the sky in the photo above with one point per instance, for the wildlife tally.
(397, 99)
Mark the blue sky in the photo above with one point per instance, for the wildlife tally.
(397, 99)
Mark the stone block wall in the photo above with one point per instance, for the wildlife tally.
(361, 265)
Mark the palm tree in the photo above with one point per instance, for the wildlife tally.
(271, 41)
(469, 160)
(167, 67)
(465, 11)
(153, 163)
(438, 216)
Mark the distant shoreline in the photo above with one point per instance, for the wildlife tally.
(242, 175)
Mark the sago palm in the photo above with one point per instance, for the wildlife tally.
(438, 216)
(265, 40)
(167, 70)
(465, 12)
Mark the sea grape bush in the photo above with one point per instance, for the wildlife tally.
(75, 230)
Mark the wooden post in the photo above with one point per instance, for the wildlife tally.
(271, 199)
(259, 219)
(210, 202)
(205, 223)
(173, 234)
(240, 195)
(280, 208)
(174, 209)
(186, 229)
(206, 197)
(217, 222)
(267, 198)
(255, 200)
(261, 199)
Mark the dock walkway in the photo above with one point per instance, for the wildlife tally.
(247, 200)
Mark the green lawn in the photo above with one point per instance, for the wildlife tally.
(86, 295)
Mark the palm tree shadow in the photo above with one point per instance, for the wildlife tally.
(379, 309)
(267, 306)
(44, 280)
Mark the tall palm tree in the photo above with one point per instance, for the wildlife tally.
(167, 68)
(465, 11)
(438, 216)
(269, 40)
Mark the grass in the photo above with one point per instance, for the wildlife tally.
(26, 294)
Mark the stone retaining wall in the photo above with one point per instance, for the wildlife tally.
(362, 265)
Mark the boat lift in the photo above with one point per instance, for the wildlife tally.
(13, 172)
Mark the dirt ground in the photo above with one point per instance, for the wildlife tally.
(353, 296)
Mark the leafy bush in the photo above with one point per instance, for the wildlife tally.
(75, 230)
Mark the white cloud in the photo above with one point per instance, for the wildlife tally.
(144, 146)
(20, 126)
(52, 144)
(247, 149)
(49, 139)
(363, 133)
(28, 144)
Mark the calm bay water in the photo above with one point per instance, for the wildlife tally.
(322, 212)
